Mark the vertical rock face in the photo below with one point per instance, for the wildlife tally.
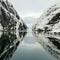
(49, 20)
(10, 26)
(9, 19)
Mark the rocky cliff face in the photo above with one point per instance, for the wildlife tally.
(11, 27)
(49, 20)
(9, 18)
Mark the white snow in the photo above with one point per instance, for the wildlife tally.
(47, 16)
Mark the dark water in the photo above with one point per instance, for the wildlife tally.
(25, 47)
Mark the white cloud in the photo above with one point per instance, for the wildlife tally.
(32, 14)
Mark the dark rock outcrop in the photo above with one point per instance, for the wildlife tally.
(12, 30)
(9, 18)
(47, 30)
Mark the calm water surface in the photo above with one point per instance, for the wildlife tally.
(30, 49)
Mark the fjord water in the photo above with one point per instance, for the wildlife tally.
(30, 49)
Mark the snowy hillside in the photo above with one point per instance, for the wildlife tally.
(47, 30)
(9, 18)
(49, 21)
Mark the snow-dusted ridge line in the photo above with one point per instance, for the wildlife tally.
(50, 18)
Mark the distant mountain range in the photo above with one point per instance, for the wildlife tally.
(30, 20)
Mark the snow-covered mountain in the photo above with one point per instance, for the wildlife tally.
(30, 20)
(47, 30)
(10, 26)
(49, 21)
(9, 18)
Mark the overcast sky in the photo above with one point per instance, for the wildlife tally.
(30, 8)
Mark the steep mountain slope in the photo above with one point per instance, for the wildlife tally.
(9, 19)
(47, 30)
(49, 20)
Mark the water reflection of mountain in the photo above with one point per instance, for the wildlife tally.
(50, 43)
(8, 44)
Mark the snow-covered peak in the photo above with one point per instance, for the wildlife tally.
(50, 18)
